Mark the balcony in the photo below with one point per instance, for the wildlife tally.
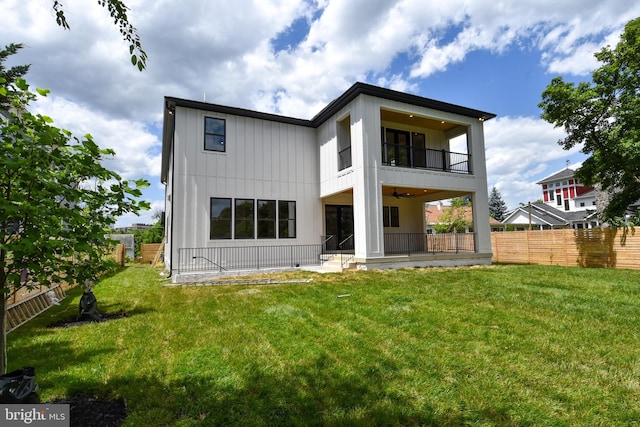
(404, 156)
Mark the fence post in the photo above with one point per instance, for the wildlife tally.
(455, 237)
(444, 160)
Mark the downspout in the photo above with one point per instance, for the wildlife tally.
(171, 111)
(173, 173)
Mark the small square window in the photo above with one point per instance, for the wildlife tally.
(214, 134)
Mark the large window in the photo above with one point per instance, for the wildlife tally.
(214, 134)
(220, 218)
(286, 219)
(244, 219)
(266, 219)
(245, 216)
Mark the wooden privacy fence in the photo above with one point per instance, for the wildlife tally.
(148, 252)
(589, 247)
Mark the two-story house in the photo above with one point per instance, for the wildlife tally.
(246, 189)
(566, 204)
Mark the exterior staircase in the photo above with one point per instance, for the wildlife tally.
(333, 263)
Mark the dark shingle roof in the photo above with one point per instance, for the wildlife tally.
(553, 216)
(558, 176)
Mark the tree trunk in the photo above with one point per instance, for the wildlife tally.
(3, 331)
(3, 314)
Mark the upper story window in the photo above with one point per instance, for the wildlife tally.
(343, 130)
(214, 134)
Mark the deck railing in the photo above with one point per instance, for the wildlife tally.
(247, 257)
(222, 259)
(425, 158)
(417, 243)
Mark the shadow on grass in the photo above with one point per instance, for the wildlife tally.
(303, 397)
(106, 315)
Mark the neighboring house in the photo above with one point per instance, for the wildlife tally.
(541, 216)
(566, 204)
(242, 184)
(564, 192)
(433, 215)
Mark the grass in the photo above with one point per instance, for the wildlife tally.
(495, 345)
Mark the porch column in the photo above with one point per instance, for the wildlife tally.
(480, 197)
(367, 191)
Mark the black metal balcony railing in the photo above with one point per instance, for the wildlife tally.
(417, 243)
(247, 257)
(425, 158)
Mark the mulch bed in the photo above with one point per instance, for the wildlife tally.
(94, 412)
(68, 323)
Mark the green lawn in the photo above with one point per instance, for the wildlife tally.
(495, 345)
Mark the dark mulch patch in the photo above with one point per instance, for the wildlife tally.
(94, 412)
(67, 323)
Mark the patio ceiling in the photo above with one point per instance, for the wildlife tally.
(414, 120)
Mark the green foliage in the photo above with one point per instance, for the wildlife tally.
(497, 206)
(153, 234)
(604, 118)
(454, 218)
(118, 11)
(8, 76)
(57, 200)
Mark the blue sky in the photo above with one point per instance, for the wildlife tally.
(292, 57)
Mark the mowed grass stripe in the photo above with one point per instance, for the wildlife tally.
(495, 345)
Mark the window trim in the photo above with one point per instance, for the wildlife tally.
(241, 220)
(223, 143)
(343, 136)
(288, 219)
(390, 217)
(260, 220)
(229, 220)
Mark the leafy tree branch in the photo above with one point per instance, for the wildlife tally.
(118, 11)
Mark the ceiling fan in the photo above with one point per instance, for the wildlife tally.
(399, 195)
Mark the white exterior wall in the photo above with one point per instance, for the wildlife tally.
(264, 160)
(366, 176)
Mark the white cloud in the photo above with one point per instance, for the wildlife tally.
(519, 152)
(136, 149)
(226, 51)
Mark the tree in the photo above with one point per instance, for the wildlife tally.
(57, 201)
(10, 76)
(454, 218)
(497, 206)
(604, 116)
(118, 11)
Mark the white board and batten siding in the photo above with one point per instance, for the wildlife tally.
(264, 160)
